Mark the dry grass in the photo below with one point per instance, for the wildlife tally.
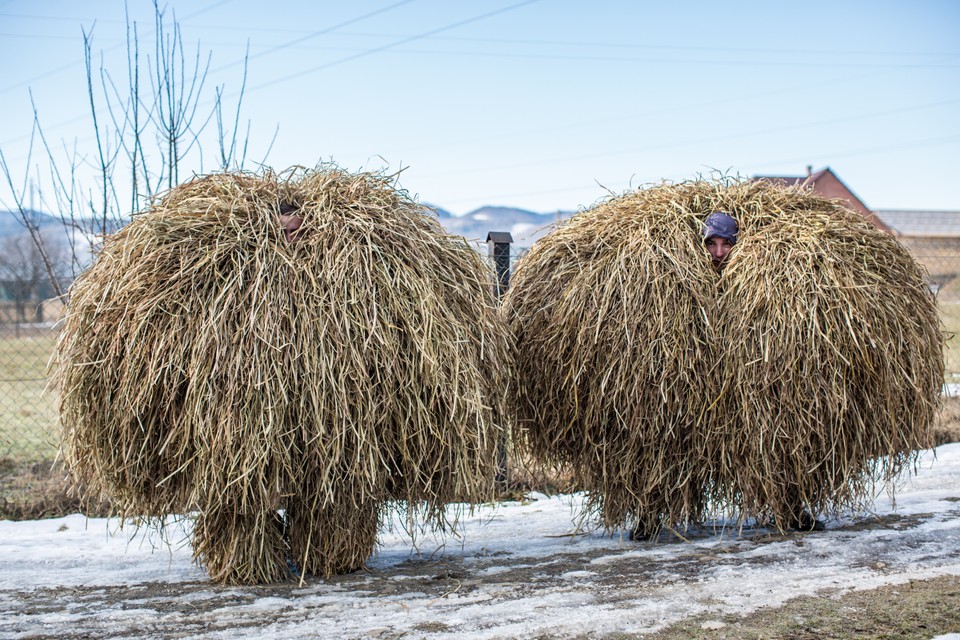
(915, 610)
(208, 362)
(837, 350)
(946, 429)
(808, 371)
(32, 491)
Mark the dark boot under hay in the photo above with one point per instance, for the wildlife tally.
(800, 376)
(254, 342)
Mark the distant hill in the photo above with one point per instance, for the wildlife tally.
(440, 211)
(11, 223)
(525, 226)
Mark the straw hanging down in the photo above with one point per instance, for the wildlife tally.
(612, 316)
(833, 356)
(804, 373)
(284, 382)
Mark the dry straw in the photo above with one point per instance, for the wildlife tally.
(286, 390)
(806, 372)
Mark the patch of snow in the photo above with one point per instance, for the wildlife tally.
(518, 569)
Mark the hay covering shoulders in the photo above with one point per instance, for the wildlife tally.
(208, 362)
(804, 373)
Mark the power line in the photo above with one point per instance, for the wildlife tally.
(117, 45)
(845, 80)
(47, 74)
(683, 143)
(74, 19)
(316, 34)
(832, 64)
(205, 9)
(596, 44)
(674, 47)
(36, 36)
(914, 144)
(390, 45)
(70, 19)
(121, 43)
(298, 44)
(897, 146)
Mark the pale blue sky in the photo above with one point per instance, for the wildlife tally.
(543, 104)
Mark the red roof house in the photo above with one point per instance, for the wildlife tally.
(826, 183)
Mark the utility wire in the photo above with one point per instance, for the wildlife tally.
(631, 45)
(671, 109)
(896, 146)
(117, 45)
(694, 141)
(914, 144)
(583, 43)
(79, 118)
(672, 47)
(391, 45)
(316, 34)
(75, 19)
(832, 64)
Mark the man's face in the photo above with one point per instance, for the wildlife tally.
(719, 249)
(291, 224)
(291, 221)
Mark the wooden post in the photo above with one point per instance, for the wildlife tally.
(499, 243)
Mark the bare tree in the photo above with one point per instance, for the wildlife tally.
(20, 272)
(144, 133)
(23, 278)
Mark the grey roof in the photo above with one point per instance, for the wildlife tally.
(499, 236)
(912, 222)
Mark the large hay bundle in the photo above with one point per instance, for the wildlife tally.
(806, 371)
(611, 315)
(210, 362)
(832, 351)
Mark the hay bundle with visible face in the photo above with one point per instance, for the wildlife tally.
(312, 343)
(832, 356)
(803, 372)
(612, 316)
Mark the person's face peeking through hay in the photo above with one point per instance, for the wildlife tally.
(290, 220)
(345, 404)
(719, 235)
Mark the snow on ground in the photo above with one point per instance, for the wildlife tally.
(517, 570)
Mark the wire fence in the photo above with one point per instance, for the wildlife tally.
(28, 330)
(28, 413)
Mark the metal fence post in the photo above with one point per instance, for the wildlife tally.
(498, 243)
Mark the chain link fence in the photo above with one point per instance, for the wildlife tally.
(941, 258)
(28, 332)
(28, 415)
